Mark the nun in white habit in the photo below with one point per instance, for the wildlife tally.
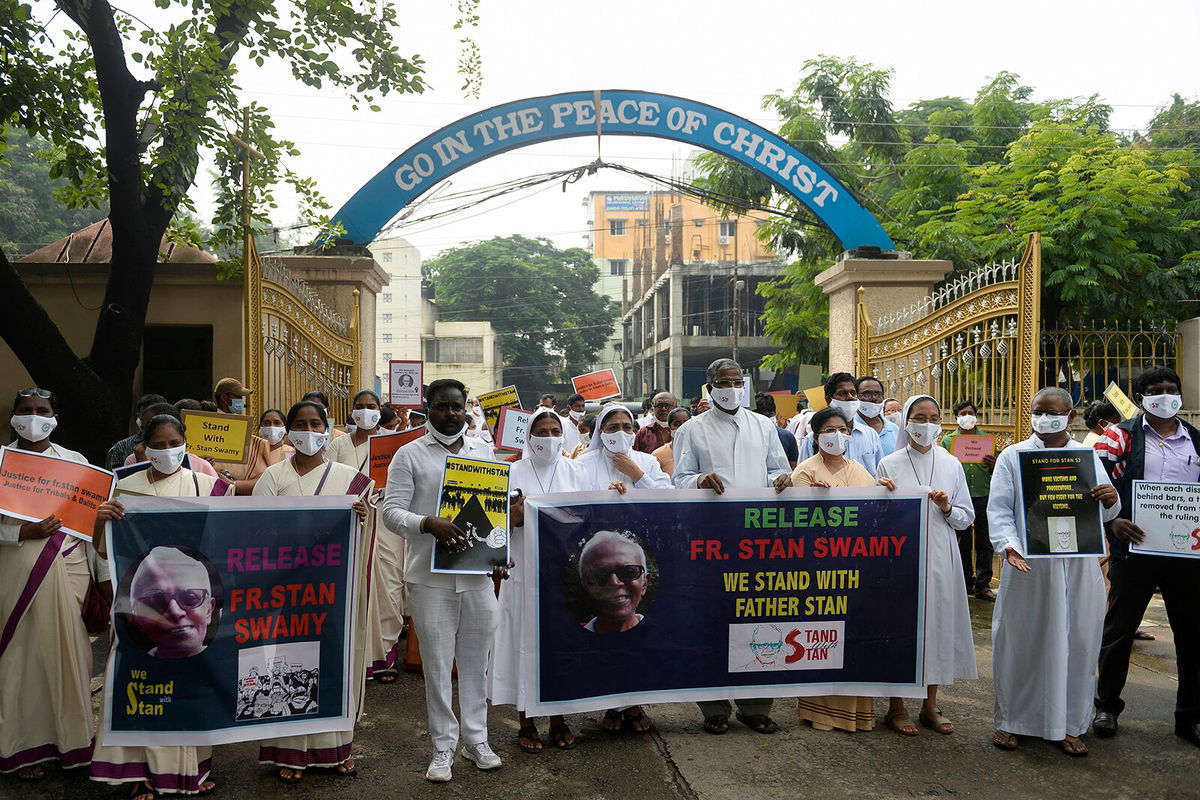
(543, 469)
(949, 650)
(1049, 614)
(612, 463)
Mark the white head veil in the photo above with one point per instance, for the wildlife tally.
(902, 436)
(603, 414)
(541, 412)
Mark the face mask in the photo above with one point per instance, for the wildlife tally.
(575, 415)
(967, 422)
(585, 438)
(166, 461)
(443, 438)
(726, 399)
(893, 418)
(923, 433)
(1163, 406)
(473, 433)
(237, 405)
(33, 428)
(139, 423)
(834, 442)
(847, 407)
(869, 410)
(274, 435)
(1048, 423)
(662, 423)
(365, 418)
(617, 442)
(545, 449)
(308, 442)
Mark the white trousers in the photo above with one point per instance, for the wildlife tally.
(455, 626)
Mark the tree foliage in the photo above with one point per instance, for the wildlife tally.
(537, 297)
(968, 180)
(30, 210)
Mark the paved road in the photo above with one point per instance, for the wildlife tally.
(680, 761)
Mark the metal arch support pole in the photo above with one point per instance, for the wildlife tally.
(1029, 334)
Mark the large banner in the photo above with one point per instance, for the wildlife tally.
(233, 619)
(672, 596)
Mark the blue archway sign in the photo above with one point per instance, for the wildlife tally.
(617, 112)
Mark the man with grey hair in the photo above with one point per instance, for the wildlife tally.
(1049, 614)
(727, 447)
(654, 435)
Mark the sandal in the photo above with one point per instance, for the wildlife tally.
(346, 769)
(212, 787)
(632, 720)
(529, 733)
(1073, 747)
(386, 676)
(936, 722)
(143, 791)
(759, 723)
(562, 736)
(1005, 740)
(1142, 636)
(289, 775)
(31, 774)
(901, 723)
(612, 721)
(717, 724)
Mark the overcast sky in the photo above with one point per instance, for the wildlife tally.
(724, 54)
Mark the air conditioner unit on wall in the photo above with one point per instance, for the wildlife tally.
(724, 239)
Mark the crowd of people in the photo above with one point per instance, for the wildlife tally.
(1061, 650)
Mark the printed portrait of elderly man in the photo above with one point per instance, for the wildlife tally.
(173, 602)
(613, 571)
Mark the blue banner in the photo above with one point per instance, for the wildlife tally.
(610, 112)
(233, 619)
(682, 595)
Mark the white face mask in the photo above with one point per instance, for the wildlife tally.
(545, 449)
(1049, 423)
(585, 438)
(662, 423)
(967, 422)
(893, 418)
(473, 432)
(869, 410)
(443, 438)
(274, 435)
(1163, 406)
(617, 441)
(237, 405)
(834, 442)
(308, 442)
(365, 418)
(923, 433)
(727, 399)
(847, 407)
(166, 461)
(575, 415)
(33, 428)
(350, 429)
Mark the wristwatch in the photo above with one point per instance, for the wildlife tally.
(227, 475)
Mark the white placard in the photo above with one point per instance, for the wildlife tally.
(1169, 513)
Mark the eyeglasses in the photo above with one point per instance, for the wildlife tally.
(761, 646)
(44, 393)
(664, 405)
(1037, 413)
(626, 573)
(187, 599)
(739, 383)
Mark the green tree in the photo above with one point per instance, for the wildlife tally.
(537, 297)
(30, 212)
(128, 104)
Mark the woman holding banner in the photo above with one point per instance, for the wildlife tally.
(160, 770)
(543, 469)
(385, 615)
(45, 655)
(309, 473)
(826, 469)
(949, 649)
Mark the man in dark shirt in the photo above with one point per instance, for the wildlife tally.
(765, 404)
(653, 436)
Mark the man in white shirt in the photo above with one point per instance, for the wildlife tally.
(730, 448)
(1049, 613)
(455, 615)
(841, 392)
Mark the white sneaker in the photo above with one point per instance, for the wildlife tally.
(482, 755)
(439, 768)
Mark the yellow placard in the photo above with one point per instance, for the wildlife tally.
(786, 405)
(1121, 401)
(816, 398)
(492, 402)
(474, 497)
(222, 437)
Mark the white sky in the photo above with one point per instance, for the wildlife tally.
(725, 54)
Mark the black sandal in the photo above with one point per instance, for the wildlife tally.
(141, 790)
(628, 720)
(529, 732)
(386, 676)
(559, 733)
(343, 771)
(759, 723)
(612, 716)
(717, 724)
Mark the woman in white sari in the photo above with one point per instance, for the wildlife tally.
(309, 473)
(160, 770)
(950, 651)
(385, 612)
(543, 469)
(45, 654)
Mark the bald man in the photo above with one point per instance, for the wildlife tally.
(654, 435)
(171, 602)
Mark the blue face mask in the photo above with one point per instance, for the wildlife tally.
(237, 405)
